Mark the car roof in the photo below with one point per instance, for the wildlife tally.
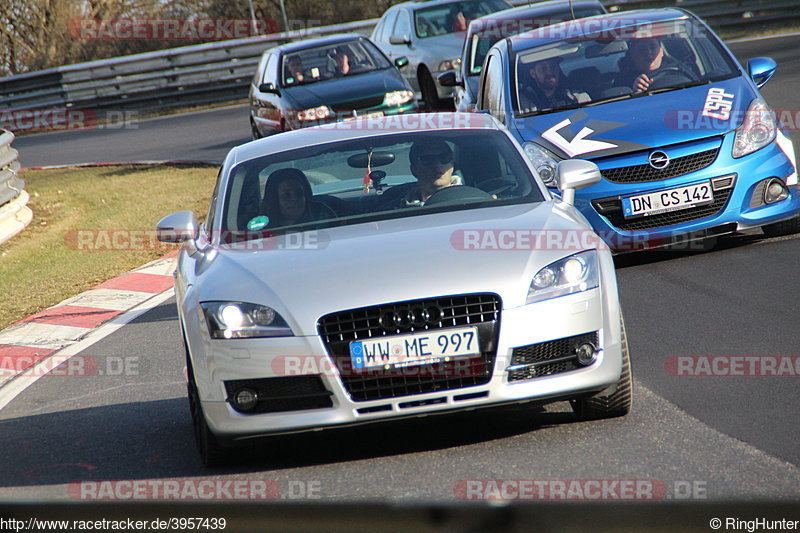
(417, 4)
(539, 9)
(363, 128)
(590, 25)
(318, 41)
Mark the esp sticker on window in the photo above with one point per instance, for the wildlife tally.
(718, 104)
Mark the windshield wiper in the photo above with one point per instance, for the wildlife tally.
(678, 87)
(550, 110)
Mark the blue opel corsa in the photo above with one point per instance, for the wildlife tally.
(686, 145)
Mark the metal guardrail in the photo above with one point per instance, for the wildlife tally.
(14, 212)
(221, 71)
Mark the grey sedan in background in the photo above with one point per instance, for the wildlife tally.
(487, 30)
(393, 267)
(431, 35)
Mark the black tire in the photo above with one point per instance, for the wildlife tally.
(782, 228)
(428, 88)
(254, 131)
(211, 453)
(615, 400)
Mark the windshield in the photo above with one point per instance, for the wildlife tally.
(493, 29)
(617, 64)
(411, 174)
(325, 62)
(454, 17)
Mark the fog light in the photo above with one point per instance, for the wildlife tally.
(587, 353)
(775, 191)
(245, 399)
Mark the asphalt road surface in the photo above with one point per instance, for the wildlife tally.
(713, 438)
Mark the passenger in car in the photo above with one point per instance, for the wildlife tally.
(343, 62)
(545, 87)
(644, 61)
(295, 68)
(288, 199)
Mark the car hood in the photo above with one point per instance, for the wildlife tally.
(637, 123)
(393, 260)
(346, 88)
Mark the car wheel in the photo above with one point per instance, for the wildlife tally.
(428, 88)
(254, 131)
(613, 401)
(784, 227)
(211, 453)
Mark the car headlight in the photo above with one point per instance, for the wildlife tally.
(757, 130)
(543, 161)
(397, 98)
(315, 113)
(576, 273)
(238, 320)
(450, 64)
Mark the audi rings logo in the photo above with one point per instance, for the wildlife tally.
(418, 316)
(659, 160)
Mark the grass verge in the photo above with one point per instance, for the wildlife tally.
(48, 263)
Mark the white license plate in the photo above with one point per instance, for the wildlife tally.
(669, 200)
(374, 114)
(415, 348)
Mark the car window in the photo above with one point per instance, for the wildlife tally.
(269, 69)
(452, 17)
(403, 25)
(259, 75)
(322, 186)
(388, 24)
(320, 63)
(492, 30)
(591, 69)
(493, 89)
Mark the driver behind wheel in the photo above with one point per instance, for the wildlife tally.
(646, 60)
(432, 163)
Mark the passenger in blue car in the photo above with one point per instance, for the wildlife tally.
(646, 63)
(546, 87)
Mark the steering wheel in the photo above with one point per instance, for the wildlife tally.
(670, 71)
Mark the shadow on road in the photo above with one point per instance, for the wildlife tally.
(151, 440)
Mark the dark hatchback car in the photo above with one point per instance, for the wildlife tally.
(330, 79)
(485, 31)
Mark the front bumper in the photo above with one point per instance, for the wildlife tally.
(230, 360)
(736, 209)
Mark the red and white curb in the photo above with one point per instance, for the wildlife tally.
(78, 322)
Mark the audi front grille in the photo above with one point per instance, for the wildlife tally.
(480, 310)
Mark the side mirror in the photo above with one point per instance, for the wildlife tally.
(267, 88)
(573, 174)
(177, 227)
(761, 69)
(448, 79)
(401, 62)
(399, 39)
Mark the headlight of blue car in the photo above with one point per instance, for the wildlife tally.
(757, 130)
(237, 320)
(576, 273)
(543, 161)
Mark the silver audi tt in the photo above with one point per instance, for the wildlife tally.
(391, 267)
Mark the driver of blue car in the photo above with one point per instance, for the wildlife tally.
(646, 60)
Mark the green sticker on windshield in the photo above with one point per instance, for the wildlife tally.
(258, 222)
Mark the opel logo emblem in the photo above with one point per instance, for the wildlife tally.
(659, 160)
(418, 316)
